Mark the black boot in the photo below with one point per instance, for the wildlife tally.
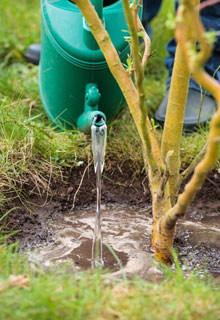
(192, 110)
(33, 53)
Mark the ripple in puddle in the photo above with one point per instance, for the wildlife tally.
(126, 231)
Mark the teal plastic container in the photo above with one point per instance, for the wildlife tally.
(75, 82)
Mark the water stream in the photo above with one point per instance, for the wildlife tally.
(99, 134)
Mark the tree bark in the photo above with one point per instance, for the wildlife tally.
(172, 134)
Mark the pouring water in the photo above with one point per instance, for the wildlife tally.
(99, 134)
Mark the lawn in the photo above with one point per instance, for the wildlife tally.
(28, 294)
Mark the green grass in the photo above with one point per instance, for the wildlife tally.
(31, 148)
(65, 295)
(20, 26)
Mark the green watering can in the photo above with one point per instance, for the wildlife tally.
(76, 85)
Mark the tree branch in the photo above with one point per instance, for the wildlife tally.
(135, 14)
(186, 173)
(174, 120)
(208, 3)
(188, 18)
(147, 44)
(139, 77)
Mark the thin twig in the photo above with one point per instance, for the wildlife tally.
(208, 3)
(145, 190)
(184, 175)
(202, 98)
(49, 182)
(136, 14)
(147, 44)
(216, 71)
(80, 184)
(214, 184)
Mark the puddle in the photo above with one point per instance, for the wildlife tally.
(199, 243)
(128, 233)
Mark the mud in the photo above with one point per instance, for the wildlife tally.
(52, 233)
(199, 244)
(128, 233)
(124, 231)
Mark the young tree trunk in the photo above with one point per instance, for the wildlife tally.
(163, 237)
(175, 114)
(172, 134)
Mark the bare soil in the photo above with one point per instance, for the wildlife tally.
(197, 236)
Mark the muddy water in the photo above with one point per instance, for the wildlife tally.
(200, 243)
(128, 233)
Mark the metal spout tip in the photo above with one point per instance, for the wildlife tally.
(99, 121)
(87, 119)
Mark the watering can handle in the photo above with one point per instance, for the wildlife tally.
(88, 38)
(98, 4)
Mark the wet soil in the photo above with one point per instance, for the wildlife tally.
(44, 227)
(125, 231)
(120, 187)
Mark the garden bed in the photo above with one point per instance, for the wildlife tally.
(53, 232)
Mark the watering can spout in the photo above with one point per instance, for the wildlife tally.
(91, 112)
